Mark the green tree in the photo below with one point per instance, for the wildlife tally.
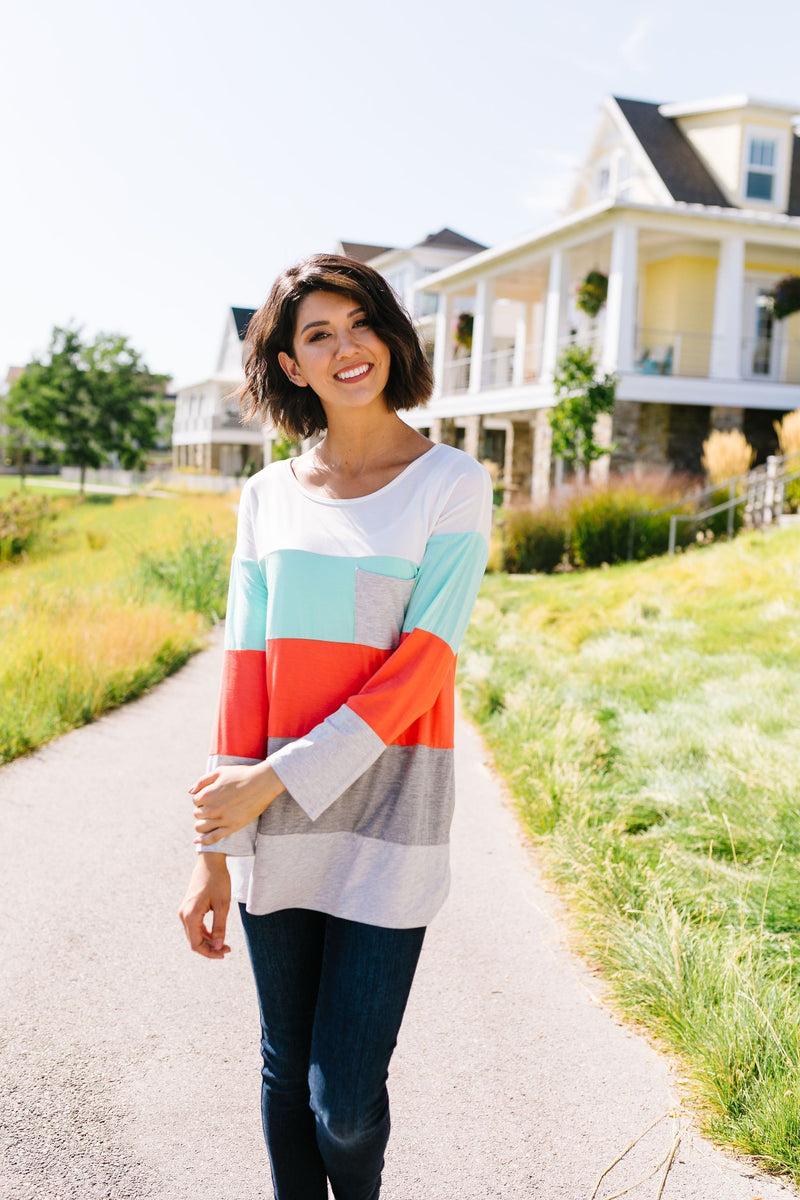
(92, 401)
(583, 395)
(19, 444)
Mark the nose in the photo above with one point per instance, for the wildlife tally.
(346, 345)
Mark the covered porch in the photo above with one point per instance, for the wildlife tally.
(686, 322)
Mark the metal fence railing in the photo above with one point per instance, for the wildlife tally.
(761, 492)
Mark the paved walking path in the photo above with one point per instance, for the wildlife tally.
(129, 1067)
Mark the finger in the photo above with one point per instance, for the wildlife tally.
(207, 951)
(204, 828)
(218, 925)
(203, 782)
(199, 938)
(215, 834)
(193, 926)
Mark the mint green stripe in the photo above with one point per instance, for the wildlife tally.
(313, 595)
(246, 619)
(448, 583)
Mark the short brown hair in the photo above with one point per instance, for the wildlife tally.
(269, 392)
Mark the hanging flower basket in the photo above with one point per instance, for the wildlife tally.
(464, 330)
(786, 297)
(592, 293)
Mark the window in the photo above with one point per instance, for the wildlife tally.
(761, 169)
(603, 181)
(623, 188)
(428, 304)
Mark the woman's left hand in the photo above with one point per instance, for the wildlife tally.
(230, 798)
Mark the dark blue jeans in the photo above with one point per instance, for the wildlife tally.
(332, 994)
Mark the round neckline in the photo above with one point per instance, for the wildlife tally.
(348, 500)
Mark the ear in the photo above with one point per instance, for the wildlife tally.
(291, 369)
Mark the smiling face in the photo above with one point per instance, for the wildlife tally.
(337, 353)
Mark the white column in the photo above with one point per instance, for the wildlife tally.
(726, 333)
(620, 324)
(520, 345)
(481, 334)
(442, 345)
(552, 314)
(542, 444)
(536, 337)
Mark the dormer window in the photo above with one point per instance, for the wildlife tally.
(761, 169)
(603, 181)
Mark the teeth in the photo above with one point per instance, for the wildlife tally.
(356, 371)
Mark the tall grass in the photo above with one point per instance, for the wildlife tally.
(646, 719)
(88, 625)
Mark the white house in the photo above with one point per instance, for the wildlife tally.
(208, 434)
(692, 212)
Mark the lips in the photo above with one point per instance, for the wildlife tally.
(353, 373)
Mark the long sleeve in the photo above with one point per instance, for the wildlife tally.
(405, 701)
(240, 732)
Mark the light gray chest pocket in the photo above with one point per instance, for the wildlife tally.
(381, 602)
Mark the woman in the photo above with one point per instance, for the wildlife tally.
(326, 808)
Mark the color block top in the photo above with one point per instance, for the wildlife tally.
(344, 619)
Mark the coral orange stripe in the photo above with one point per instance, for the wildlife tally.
(241, 730)
(407, 690)
(436, 727)
(308, 680)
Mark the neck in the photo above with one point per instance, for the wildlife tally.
(354, 439)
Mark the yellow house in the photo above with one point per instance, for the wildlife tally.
(692, 212)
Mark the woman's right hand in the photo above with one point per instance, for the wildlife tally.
(209, 891)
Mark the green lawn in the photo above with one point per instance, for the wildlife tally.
(647, 719)
(114, 595)
(11, 483)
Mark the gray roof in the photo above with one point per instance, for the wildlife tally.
(682, 171)
(451, 240)
(363, 251)
(242, 317)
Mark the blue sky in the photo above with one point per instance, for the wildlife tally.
(165, 160)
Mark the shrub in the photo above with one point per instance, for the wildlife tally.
(22, 521)
(614, 524)
(534, 540)
(195, 574)
(788, 431)
(717, 526)
(727, 453)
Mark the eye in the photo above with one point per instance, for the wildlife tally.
(316, 337)
(362, 323)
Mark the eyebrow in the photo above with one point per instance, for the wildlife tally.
(313, 324)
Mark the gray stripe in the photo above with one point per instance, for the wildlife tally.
(400, 887)
(319, 767)
(230, 760)
(405, 797)
(381, 603)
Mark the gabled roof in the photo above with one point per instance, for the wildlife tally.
(451, 240)
(680, 167)
(243, 317)
(793, 209)
(363, 251)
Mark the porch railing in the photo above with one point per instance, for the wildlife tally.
(689, 355)
(497, 370)
(680, 353)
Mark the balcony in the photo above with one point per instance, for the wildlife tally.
(689, 356)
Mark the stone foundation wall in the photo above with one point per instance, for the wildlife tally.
(518, 468)
(689, 426)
